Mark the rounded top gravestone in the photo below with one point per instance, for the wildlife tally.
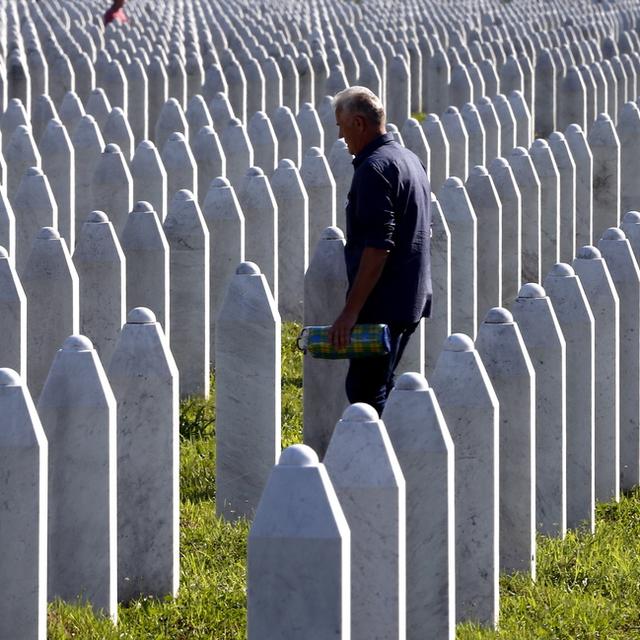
(532, 290)
(9, 378)
(77, 343)
(248, 269)
(458, 342)
(360, 412)
(411, 381)
(298, 455)
(141, 315)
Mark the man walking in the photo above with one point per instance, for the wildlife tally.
(388, 242)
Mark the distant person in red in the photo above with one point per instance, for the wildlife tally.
(116, 12)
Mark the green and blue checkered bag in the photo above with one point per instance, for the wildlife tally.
(367, 340)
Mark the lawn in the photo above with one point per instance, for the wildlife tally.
(588, 586)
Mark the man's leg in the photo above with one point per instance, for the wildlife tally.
(370, 379)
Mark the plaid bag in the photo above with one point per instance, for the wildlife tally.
(366, 340)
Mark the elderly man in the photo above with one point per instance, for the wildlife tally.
(388, 236)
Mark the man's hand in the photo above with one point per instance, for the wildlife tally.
(340, 332)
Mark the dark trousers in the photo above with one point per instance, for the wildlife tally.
(371, 379)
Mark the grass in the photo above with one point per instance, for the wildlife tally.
(588, 587)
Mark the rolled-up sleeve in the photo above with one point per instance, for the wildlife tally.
(375, 209)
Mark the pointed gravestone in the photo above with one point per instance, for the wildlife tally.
(21, 154)
(58, 164)
(171, 119)
(545, 344)
(263, 141)
(118, 131)
(13, 317)
(605, 306)
(149, 177)
(87, 145)
(321, 190)
(488, 209)
(146, 253)
(470, 408)
(188, 238)
(625, 274)
(323, 390)
(112, 187)
(424, 448)
(225, 221)
(549, 177)
(180, 165)
(51, 285)
(458, 142)
(583, 159)
(576, 321)
(524, 172)
(299, 531)
(605, 147)
(512, 376)
(209, 159)
(461, 218)
(293, 220)
(247, 406)
(261, 219)
(78, 413)
(101, 268)
(34, 207)
(23, 535)
(144, 379)
(567, 174)
(440, 151)
(371, 491)
(438, 325)
(629, 135)
(237, 151)
(340, 162)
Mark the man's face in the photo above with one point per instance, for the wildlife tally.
(352, 128)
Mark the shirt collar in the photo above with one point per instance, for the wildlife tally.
(371, 147)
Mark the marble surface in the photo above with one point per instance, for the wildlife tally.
(23, 536)
(340, 164)
(100, 264)
(13, 317)
(416, 141)
(583, 159)
(567, 172)
(149, 178)
(144, 380)
(458, 140)
(425, 451)
(321, 191)
(7, 223)
(87, 146)
(171, 119)
(78, 413)
(471, 411)
(248, 402)
(488, 209)
(625, 274)
(521, 114)
(323, 391)
(299, 552)
(237, 152)
(475, 131)
(58, 164)
(51, 285)
(180, 165)
(260, 211)
(577, 323)
(605, 304)
(438, 326)
(572, 100)
(545, 344)
(440, 151)
(550, 228)
(118, 131)
(509, 195)
(605, 147)
(370, 486)
(512, 376)
(293, 237)
(225, 221)
(188, 237)
(461, 218)
(508, 126)
(34, 207)
(20, 153)
(491, 126)
(209, 158)
(628, 131)
(289, 139)
(263, 141)
(530, 188)
(310, 126)
(146, 253)
(112, 187)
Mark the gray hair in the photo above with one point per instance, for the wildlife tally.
(362, 101)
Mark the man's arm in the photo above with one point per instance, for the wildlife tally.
(369, 271)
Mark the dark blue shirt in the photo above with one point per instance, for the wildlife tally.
(389, 207)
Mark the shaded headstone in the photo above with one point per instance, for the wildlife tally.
(78, 413)
(13, 317)
(247, 406)
(144, 379)
(149, 177)
(583, 159)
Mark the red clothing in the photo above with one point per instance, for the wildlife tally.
(115, 14)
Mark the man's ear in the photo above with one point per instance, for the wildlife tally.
(360, 122)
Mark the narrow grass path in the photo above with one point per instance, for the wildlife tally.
(588, 587)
